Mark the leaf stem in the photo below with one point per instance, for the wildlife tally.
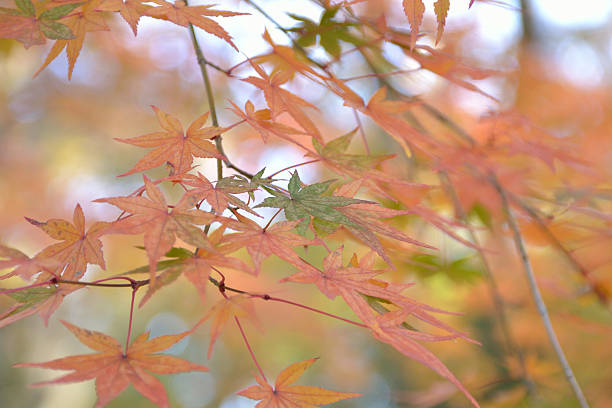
(312, 309)
(537, 296)
(293, 166)
(221, 283)
(246, 342)
(127, 340)
(270, 221)
(34, 285)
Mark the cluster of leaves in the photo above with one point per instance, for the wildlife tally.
(313, 213)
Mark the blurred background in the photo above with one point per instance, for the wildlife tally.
(57, 149)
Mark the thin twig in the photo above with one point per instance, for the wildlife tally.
(202, 62)
(537, 296)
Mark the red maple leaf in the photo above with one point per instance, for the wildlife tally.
(226, 308)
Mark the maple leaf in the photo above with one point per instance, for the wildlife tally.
(183, 15)
(261, 242)
(414, 10)
(384, 112)
(196, 267)
(309, 201)
(78, 247)
(337, 280)
(89, 19)
(450, 67)
(357, 279)
(175, 146)
(130, 10)
(229, 307)
(441, 9)
(262, 122)
(115, 370)
(386, 328)
(160, 225)
(287, 59)
(284, 394)
(366, 221)
(238, 183)
(329, 32)
(23, 25)
(356, 166)
(351, 282)
(280, 100)
(23, 265)
(43, 300)
(219, 195)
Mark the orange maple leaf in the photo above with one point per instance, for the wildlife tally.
(261, 243)
(160, 225)
(42, 300)
(197, 267)
(285, 395)
(130, 10)
(114, 370)
(261, 121)
(451, 67)
(78, 249)
(218, 196)
(23, 265)
(89, 19)
(181, 14)
(175, 146)
(280, 100)
(387, 329)
(226, 308)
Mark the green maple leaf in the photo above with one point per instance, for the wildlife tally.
(310, 201)
(241, 184)
(328, 30)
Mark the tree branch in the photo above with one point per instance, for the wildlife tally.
(537, 296)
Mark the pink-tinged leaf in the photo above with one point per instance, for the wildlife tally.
(160, 224)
